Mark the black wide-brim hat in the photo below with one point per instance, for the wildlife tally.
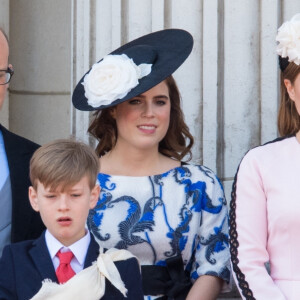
(166, 50)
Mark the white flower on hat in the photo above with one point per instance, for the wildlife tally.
(112, 78)
(288, 37)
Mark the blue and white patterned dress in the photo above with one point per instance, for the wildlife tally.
(182, 211)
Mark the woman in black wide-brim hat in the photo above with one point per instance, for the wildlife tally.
(170, 214)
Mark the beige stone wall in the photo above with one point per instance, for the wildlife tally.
(229, 84)
(40, 40)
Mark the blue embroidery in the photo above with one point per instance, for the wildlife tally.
(104, 179)
(178, 239)
(166, 219)
(95, 217)
(215, 243)
(208, 172)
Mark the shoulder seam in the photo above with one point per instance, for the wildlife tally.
(279, 139)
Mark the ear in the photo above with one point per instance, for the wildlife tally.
(113, 112)
(290, 89)
(94, 196)
(32, 194)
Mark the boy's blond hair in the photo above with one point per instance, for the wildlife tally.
(62, 163)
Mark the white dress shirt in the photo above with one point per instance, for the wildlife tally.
(79, 250)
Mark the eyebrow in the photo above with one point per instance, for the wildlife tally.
(155, 97)
(75, 189)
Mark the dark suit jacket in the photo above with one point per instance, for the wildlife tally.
(24, 265)
(26, 223)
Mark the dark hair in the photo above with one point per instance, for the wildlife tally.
(288, 116)
(62, 163)
(177, 142)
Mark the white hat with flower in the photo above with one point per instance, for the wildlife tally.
(288, 38)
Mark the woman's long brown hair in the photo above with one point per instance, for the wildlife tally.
(288, 116)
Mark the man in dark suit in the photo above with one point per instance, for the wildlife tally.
(17, 219)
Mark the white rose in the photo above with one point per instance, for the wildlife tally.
(112, 78)
(289, 40)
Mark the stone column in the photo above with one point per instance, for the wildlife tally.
(40, 38)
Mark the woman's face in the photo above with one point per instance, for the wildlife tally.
(143, 121)
(294, 91)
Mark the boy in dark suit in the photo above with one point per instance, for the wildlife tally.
(63, 175)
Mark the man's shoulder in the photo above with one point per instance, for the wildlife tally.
(18, 246)
(17, 251)
(15, 139)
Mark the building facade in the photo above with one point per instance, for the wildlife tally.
(229, 84)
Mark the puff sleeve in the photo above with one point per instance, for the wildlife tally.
(212, 253)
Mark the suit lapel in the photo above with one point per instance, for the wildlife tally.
(42, 260)
(92, 253)
(18, 153)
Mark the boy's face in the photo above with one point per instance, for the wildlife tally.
(65, 213)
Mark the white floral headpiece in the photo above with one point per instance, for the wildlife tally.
(288, 37)
(112, 78)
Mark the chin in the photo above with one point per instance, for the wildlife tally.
(147, 147)
(148, 143)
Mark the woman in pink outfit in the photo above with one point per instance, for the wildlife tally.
(265, 206)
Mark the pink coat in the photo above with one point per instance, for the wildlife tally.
(265, 222)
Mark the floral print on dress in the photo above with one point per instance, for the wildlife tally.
(182, 211)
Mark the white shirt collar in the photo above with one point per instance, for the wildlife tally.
(79, 248)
